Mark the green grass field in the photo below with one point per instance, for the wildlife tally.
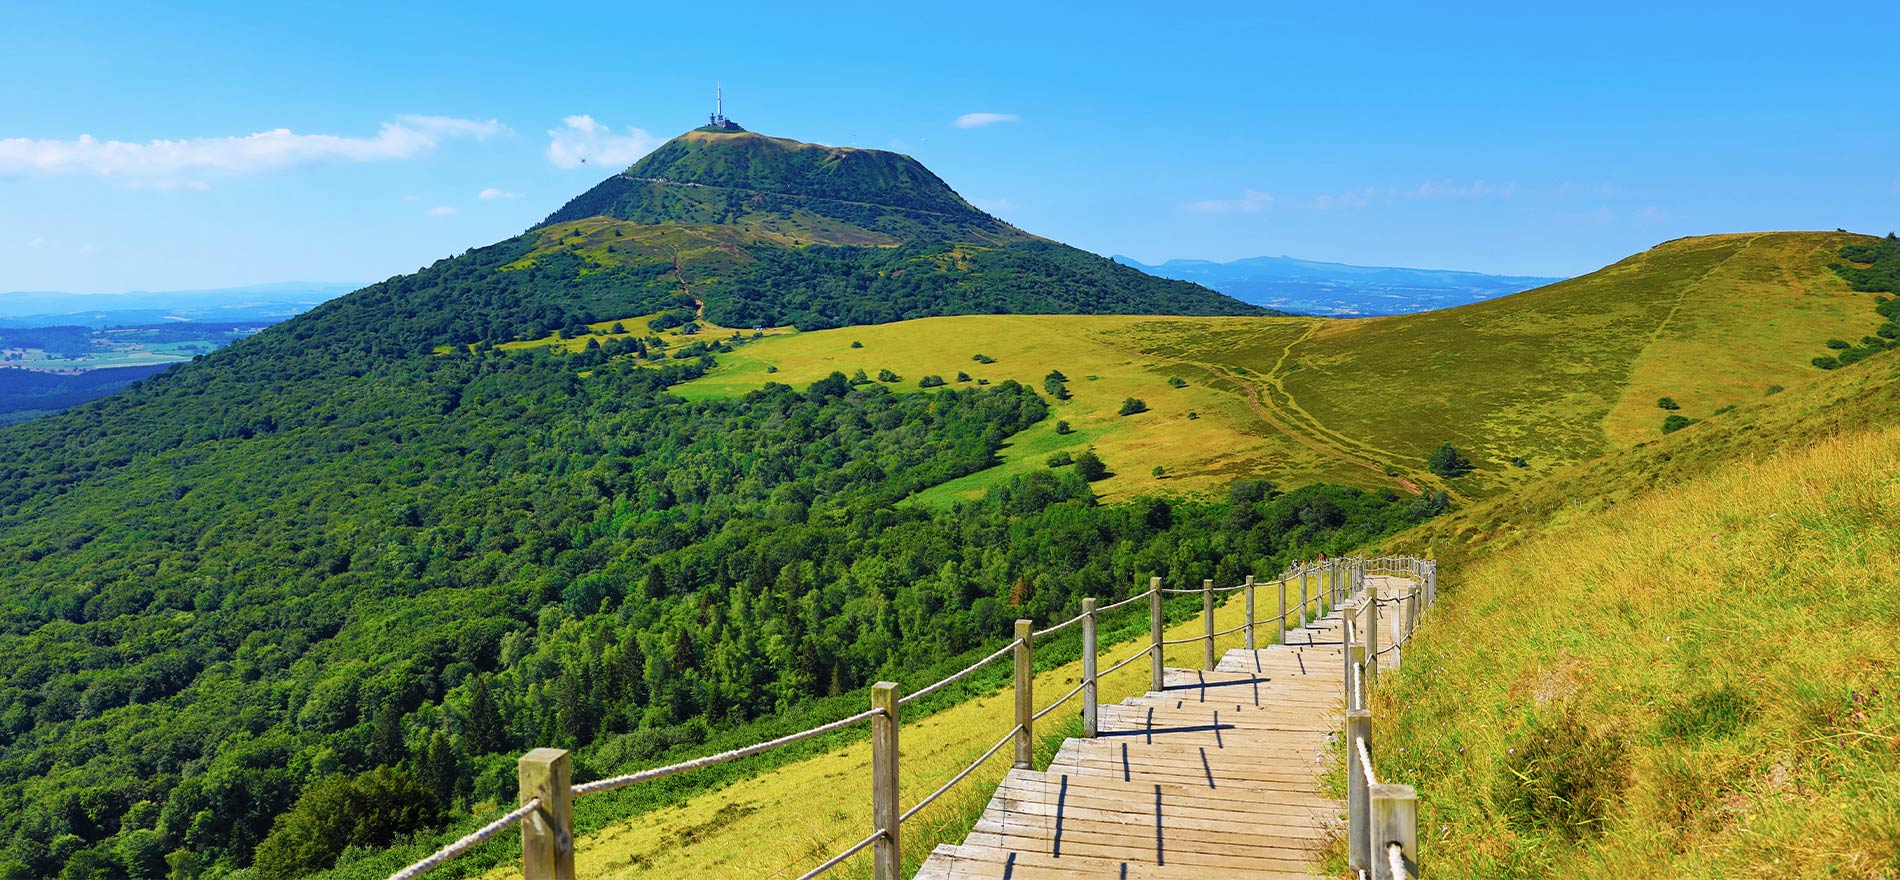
(1554, 376)
(1675, 661)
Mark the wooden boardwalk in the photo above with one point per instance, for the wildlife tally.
(1215, 775)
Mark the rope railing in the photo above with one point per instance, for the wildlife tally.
(929, 689)
(545, 815)
(472, 840)
(1381, 819)
(932, 797)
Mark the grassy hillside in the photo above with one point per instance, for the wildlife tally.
(1553, 376)
(1676, 661)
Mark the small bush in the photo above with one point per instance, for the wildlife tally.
(771, 369)
(1192, 415)
(888, 375)
(856, 344)
(982, 359)
(1160, 472)
(1676, 423)
(1061, 459)
(1177, 382)
(1446, 461)
(858, 378)
(1839, 344)
(1064, 429)
(1134, 405)
(1560, 776)
(931, 382)
(1090, 467)
(1519, 461)
(1668, 403)
(1772, 390)
(962, 376)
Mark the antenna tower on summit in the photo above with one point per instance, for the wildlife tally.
(717, 119)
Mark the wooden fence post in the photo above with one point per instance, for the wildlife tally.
(1372, 638)
(547, 834)
(1154, 629)
(1394, 817)
(1358, 800)
(1089, 721)
(1249, 629)
(1207, 624)
(1303, 572)
(1282, 609)
(1346, 612)
(1025, 700)
(887, 853)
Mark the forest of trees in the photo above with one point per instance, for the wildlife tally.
(420, 570)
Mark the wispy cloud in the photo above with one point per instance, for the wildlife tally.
(1250, 201)
(157, 162)
(441, 211)
(1358, 198)
(581, 141)
(1449, 189)
(980, 120)
(493, 193)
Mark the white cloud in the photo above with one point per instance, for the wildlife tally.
(1447, 189)
(405, 138)
(1249, 202)
(1355, 199)
(441, 211)
(582, 141)
(412, 198)
(493, 193)
(88, 248)
(979, 120)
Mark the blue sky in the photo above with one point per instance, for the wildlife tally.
(228, 144)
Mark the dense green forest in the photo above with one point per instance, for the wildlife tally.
(433, 564)
(819, 287)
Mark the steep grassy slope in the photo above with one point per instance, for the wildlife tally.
(1554, 376)
(1676, 661)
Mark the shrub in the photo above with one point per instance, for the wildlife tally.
(858, 378)
(1160, 472)
(1838, 344)
(887, 375)
(770, 368)
(856, 344)
(1668, 403)
(1177, 382)
(982, 359)
(1446, 461)
(1134, 405)
(1676, 423)
(1560, 776)
(1519, 461)
(371, 809)
(1090, 467)
(1064, 429)
(962, 376)
(1061, 459)
(1193, 416)
(932, 381)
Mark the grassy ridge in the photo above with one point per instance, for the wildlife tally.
(1673, 661)
(1555, 376)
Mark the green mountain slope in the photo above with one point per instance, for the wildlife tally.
(1673, 660)
(767, 231)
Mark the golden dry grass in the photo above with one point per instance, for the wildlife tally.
(1719, 656)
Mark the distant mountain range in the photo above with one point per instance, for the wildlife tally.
(1338, 289)
(260, 302)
